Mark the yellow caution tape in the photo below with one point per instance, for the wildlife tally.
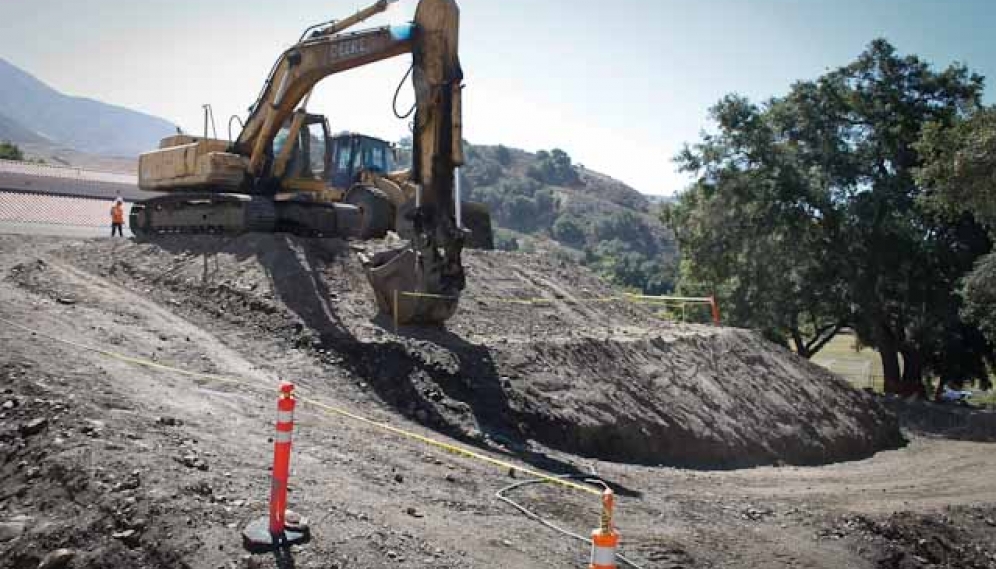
(485, 298)
(451, 448)
(136, 361)
(428, 295)
(696, 299)
(625, 297)
(323, 406)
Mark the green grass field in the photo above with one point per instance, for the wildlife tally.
(863, 368)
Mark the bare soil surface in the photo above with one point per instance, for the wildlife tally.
(951, 420)
(577, 372)
(129, 466)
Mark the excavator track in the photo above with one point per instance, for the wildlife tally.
(261, 215)
(234, 214)
(199, 213)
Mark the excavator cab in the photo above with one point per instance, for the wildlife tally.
(339, 160)
(352, 154)
(314, 167)
(301, 152)
(357, 169)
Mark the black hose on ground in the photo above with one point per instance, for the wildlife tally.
(500, 494)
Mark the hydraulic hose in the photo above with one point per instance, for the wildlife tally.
(394, 103)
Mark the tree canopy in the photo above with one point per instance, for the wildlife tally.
(807, 215)
(554, 168)
(959, 173)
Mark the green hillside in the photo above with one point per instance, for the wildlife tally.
(543, 202)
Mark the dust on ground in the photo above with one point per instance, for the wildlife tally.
(132, 467)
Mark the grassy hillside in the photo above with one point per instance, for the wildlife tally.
(542, 201)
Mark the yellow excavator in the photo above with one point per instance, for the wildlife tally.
(285, 172)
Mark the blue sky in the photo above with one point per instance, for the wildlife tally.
(620, 85)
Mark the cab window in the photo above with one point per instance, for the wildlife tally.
(373, 158)
(345, 153)
(280, 140)
(314, 138)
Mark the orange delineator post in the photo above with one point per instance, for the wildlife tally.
(281, 528)
(605, 539)
(715, 310)
(281, 458)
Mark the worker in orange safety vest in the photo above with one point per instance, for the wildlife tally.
(117, 217)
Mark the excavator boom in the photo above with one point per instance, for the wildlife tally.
(299, 69)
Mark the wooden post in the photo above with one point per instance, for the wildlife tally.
(715, 310)
(531, 309)
(395, 311)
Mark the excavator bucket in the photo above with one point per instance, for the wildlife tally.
(410, 289)
(421, 283)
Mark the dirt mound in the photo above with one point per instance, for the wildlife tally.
(599, 378)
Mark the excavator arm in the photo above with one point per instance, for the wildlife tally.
(421, 282)
(299, 69)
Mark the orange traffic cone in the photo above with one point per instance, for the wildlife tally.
(605, 539)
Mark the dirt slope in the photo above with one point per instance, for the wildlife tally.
(131, 467)
(600, 379)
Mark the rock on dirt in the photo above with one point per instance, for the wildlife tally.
(57, 559)
(34, 426)
(128, 536)
(191, 460)
(169, 421)
(11, 529)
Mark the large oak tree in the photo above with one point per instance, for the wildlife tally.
(959, 174)
(806, 216)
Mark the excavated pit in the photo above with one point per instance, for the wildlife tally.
(578, 373)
